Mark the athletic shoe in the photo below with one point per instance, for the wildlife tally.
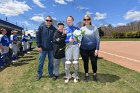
(86, 79)
(14, 61)
(38, 77)
(55, 78)
(94, 77)
(67, 80)
(75, 80)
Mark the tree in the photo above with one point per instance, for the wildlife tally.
(101, 33)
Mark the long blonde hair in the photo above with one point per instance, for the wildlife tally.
(83, 19)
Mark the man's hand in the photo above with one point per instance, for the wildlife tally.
(96, 52)
(39, 49)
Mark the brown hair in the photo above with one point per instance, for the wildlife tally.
(83, 19)
(71, 17)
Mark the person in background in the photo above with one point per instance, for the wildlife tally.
(59, 48)
(24, 42)
(72, 51)
(14, 43)
(4, 48)
(90, 47)
(44, 41)
(30, 41)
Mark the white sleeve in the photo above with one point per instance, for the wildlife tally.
(11, 37)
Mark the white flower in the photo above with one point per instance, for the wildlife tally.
(77, 33)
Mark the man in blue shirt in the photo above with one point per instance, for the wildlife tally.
(30, 42)
(14, 42)
(24, 42)
(44, 40)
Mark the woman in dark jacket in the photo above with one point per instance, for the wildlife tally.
(59, 48)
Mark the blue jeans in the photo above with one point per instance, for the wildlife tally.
(41, 62)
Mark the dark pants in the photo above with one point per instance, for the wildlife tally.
(5, 59)
(30, 48)
(86, 54)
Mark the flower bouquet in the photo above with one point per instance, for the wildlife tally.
(78, 34)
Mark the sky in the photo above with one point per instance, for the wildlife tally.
(30, 13)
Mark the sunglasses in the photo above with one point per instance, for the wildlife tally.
(86, 19)
(49, 20)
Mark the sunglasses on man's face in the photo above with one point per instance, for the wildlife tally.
(49, 20)
(86, 19)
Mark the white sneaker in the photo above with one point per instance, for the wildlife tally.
(75, 80)
(67, 80)
(28, 52)
(14, 61)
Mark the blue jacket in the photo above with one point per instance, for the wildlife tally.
(70, 30)
(24, 38)
(44, 37)
(4, 40)
(13, 39)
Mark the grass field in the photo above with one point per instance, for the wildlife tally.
(21, 78)
(120, 39)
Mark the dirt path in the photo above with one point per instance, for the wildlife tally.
(125, 53)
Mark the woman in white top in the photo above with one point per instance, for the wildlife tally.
(89, 46)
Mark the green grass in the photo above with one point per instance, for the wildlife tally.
(120, 39)
(21, 78)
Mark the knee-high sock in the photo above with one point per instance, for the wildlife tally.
(76, 68)
(67, 68)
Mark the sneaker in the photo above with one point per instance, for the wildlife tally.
(55, 78)
(38, 77)
(94, 77)
(75, 80)
(51, 76)
(14, 61)
(28, 52)
(67, 80)
(86, 78)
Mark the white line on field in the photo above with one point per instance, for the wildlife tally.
(120, 56)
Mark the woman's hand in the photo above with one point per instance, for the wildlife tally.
(96, 52)
(71, 40)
